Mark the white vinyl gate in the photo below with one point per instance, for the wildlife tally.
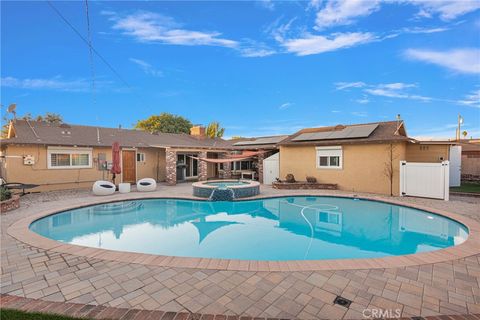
(271, 168)
(428, 180)
(455, 165)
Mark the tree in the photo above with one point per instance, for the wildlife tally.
(214, 130)
(237, 137)
(49, 117)
(166, 123)
(389, 168)
(464, 133)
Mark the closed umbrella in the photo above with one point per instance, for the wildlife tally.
(115, 161)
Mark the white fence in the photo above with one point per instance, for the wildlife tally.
(428, 180)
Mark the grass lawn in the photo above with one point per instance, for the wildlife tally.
(9, 314)
(467, 187)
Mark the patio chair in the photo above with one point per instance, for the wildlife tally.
(146, 184)
(103, 188)
(19, 186)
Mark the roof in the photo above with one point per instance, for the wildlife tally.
(267, 142)
(40, 132)
(377, 132)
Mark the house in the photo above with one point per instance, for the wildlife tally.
(358, 158)
(62, 156)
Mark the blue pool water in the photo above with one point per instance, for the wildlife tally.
(287, 228)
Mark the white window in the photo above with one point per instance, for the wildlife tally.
(140, 157)
(72, 158)
(329, 157)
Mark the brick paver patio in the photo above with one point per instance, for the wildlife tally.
(451, 287)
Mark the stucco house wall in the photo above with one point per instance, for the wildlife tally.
(364, 166)
(427, 152)
(54, 179)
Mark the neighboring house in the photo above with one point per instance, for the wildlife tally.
(471, 160)
(358, 158)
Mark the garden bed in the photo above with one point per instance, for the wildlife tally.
(10, 204)
(303, 185)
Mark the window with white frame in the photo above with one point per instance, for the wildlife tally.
(69, 158)
(329, 157)
(140, 157)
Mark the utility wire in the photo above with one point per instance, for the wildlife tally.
(90, 56)
(88, 44)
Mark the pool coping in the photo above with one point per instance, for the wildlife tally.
(20, 231)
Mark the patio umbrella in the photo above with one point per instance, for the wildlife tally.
(115, 161)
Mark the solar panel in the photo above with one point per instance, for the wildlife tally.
(265, 140)
(362, 131)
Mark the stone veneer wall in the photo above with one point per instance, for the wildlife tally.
(261, 156)
(171, 167)
(202, 167)
(227, 168)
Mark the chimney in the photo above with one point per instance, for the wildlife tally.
(197, 131)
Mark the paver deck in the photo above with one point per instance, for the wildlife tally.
(451, 287)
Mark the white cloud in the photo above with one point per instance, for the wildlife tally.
(148, 26)
(362, 114)
(390, 90)
(459, 60)
(147, 67)
(344, 12)
(472, 99)
(315, 44)
(363, 100)
(55, 83)
(445, 9)
(285, 105)
(420, 30)
(267, 4)
(346, 85)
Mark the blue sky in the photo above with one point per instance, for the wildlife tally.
(260, 68)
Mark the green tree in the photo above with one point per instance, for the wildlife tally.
(165, 122)
(47, 117)
(214, 130)
(237, 137)
(464, 134)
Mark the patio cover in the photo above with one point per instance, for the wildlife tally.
(234, 157)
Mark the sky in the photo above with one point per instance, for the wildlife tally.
(259, 68)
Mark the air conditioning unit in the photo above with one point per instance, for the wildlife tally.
(28, 160)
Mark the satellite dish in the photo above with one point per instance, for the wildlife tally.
(12, 107)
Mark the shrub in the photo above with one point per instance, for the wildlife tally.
(311, 179)
(290, 178)
(5, 194)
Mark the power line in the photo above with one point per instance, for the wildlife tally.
(89, 44)
(90, 55)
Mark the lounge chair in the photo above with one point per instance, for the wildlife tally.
(19, 186)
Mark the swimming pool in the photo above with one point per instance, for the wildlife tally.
(275, 229)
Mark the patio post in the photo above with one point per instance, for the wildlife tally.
(171, 167)
(260, 158)
(227, 169)
(202, 166)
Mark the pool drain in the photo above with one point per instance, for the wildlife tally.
(341, 301)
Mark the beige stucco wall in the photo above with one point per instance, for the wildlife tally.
(363, 169)
(54, 179)
(427, 152)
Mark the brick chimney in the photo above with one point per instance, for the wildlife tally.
(198, 131)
